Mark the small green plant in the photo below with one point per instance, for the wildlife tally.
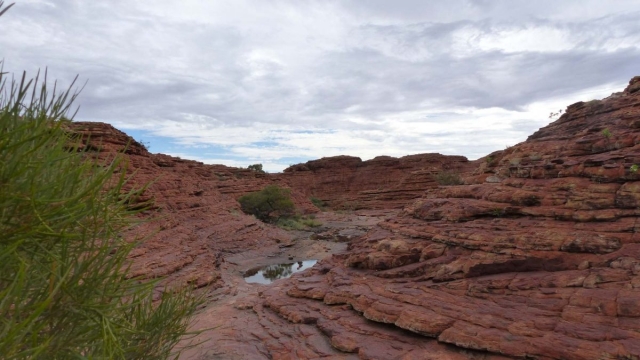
(269, 204)
(606, 133)
(448, 178)
(309, 222)
(318, 203)
(256, 168)
(297, 223)
(489, 159)
(634, 168)
(515, 161)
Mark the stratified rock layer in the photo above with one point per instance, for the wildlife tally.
(346, 182)
(196, 218)
(191, 224)
(537, 257)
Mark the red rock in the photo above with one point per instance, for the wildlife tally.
(536, 256)
(542, 264)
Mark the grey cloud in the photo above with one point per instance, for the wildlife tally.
(390, 58)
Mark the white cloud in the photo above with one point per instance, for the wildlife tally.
(271, 81)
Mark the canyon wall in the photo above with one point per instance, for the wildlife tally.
(346, 182)
(537, 257)
(195, 218)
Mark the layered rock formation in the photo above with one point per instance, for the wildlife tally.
(537, 257)
(191, 223)
(346, 182)
(196, 216)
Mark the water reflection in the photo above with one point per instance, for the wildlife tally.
(271, 273)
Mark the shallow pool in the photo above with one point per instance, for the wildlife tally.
(271, 273)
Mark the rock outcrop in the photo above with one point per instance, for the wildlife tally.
(346, 182)
(537, 257)
(196, 216)
(191, 224)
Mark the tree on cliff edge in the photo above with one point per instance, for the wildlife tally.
(65, 291)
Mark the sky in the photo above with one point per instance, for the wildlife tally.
(279, 82)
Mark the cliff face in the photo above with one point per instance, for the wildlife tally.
(538, 257)
(346, 182)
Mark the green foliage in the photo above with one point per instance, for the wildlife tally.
(489, 159)
(447, 178)
(297, 223)
(318, 203)
(606, 133)
(256, 168)
(634, 168)
(65, 291)
(311, 222)
(268, 204)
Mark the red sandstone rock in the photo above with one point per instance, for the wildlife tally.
(536, 257)
(346, 182)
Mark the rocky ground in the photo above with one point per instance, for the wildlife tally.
(534, 256)
(239, 332)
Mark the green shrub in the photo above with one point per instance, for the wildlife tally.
(289, 224)
(256, 168)
(448, 178)
(268, 204)
(318, 203)
(65, 290)
(607, 133)
(308, 222)
(297, 223)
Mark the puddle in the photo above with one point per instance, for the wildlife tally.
(271, 273)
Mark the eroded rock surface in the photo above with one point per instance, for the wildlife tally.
(196, 216)
(537, 256)
(543, 262)
(191, 223)
(346, 182)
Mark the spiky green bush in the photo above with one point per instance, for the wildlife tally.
(64, 288)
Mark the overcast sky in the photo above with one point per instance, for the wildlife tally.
(240, 82)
